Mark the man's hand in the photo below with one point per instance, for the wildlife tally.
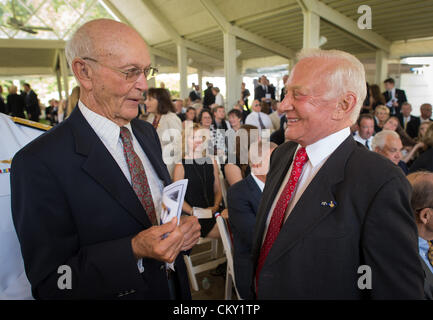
(149, 243)
(191, 231)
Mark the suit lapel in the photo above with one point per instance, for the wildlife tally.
(309, 211)
(273, 182)
(101, 166)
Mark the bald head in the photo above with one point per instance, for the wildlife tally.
(111, 62)
(102, 38)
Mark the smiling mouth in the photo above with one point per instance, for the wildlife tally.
(292, 120)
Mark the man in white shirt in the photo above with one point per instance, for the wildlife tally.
(86, 196)
(276, 117)
(366, 129)
(422, 207)
(331, 209)
(257, 118)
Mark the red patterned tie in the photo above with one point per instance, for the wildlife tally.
(138, 175)
(280, 209)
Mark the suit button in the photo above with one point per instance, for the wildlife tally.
(162, 268)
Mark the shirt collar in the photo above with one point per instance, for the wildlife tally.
(423, 244)
(106, 130)
(260, 183)
(323, 148)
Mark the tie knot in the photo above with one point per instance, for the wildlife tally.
(301, 155)
(125, 135)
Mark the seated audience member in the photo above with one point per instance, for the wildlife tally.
(195, 94)
(239, 169)
(376, 97)
(388, 144)
(235, 119)
(426, 112)
(409, 122)
(257, 118)
(243, 199)
(72, 100)
(425, 159)
(410, 147)
(219, 118)
(15, 103)
(189, 116)
(276, 116)
(245, 111)
(381, 114)
(364, 134)
(180, 111)
(422, 207)
(422, 130)
(201, 170)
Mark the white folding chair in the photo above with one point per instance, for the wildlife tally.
(228, 249)
(211, 263)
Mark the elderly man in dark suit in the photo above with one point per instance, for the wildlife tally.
(408, 122)
(90, 209)
(422, 206)
(332, 213)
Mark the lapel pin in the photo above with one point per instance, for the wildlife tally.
(330, 204)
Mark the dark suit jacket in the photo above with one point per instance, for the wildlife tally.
(16, 105)
(72, 205)
(428, 281)
(423, 162)
(243, 200)
(260, 93)
(320, 248)
(400, 95)
(194, 96)
(208, 98)
(32, 103)
(412, 126)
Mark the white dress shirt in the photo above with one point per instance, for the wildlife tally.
(318, 153)
(219, 99)
(253, 119)
(109, 133)
(358, 138)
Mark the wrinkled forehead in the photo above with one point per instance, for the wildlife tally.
(312, 73)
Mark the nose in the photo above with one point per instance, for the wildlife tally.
(141, 83)
(287, 103)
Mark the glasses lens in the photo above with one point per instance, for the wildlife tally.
(150, 73)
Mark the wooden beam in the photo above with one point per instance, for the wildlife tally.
(260, 41)
(32, 44)
(177, 38)
(336, 18)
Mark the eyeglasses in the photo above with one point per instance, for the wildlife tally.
(131, 74)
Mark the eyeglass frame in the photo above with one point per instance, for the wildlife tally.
(151, 71)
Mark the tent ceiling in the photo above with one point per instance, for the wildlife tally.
(280, 21)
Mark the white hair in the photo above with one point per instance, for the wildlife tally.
(80, 45)
(348, 74)
(379, 139)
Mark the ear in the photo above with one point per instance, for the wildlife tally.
(345, 106)
(83, 73)
(424, 215)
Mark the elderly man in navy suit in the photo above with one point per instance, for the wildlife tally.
(332, 213)
(86, 196)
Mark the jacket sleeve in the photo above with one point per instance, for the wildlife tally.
(390, 244)
(242, 217)
(49, 239)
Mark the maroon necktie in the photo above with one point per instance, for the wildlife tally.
(138, 175)
(280, 209)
